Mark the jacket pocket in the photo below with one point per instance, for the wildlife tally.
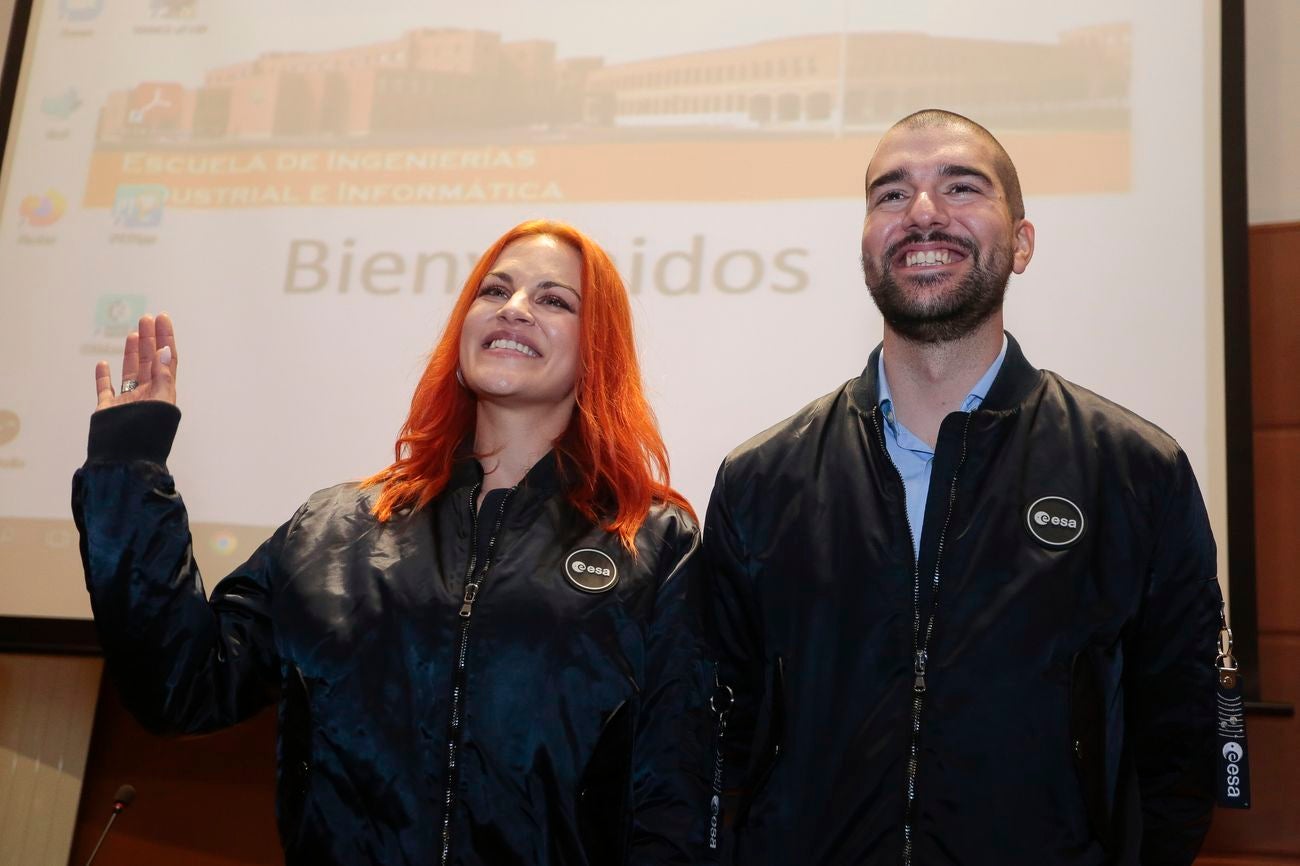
(769, 740)
(295, 757)
(604, 792)
(1088, 743)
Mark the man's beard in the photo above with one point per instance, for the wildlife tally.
(948, 316)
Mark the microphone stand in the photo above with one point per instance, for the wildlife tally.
(125, 795)
(111, 818)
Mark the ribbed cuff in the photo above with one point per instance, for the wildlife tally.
(134, 431)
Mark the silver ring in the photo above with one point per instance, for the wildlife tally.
(129, 385)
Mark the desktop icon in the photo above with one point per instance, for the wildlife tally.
(9, 425)
(173, 8)
(139, 205)
(42, 210)
(63, 105)
(81, 10)
(116, 315)
(155, 106)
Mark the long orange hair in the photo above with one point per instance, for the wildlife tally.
(611, 456)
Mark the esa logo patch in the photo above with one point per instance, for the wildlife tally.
(1055, 521)
(590, 570)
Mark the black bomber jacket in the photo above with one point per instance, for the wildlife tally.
(553, 715)
(1061, 710)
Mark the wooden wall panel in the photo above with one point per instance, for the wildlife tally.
(201, 801)
(1275, 324)
(47, 706)
(1277, 535)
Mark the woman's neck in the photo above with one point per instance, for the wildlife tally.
(513, 438)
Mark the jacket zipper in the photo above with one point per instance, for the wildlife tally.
(920, 642)
(474, 577)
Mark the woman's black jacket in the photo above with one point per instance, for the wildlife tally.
(549, 722)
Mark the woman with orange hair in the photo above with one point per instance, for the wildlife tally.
(488, 652)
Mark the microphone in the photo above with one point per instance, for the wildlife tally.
(124, 797)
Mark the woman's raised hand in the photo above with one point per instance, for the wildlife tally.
(148, 366)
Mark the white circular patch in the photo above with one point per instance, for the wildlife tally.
(1055, 521)
(590, 570)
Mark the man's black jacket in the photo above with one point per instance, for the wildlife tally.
(1067, 714)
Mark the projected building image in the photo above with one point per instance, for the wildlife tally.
(444, 85)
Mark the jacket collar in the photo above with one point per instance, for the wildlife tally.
(1014, 382)
(542, 479)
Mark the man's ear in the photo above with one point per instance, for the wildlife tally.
(1024, 246)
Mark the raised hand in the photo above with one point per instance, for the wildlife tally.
(148, 366)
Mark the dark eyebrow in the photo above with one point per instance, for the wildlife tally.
(552, 284)
(902, 174)
(964, 171)
(544, 284)
(894, 176)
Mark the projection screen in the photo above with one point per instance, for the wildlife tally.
(304, 187)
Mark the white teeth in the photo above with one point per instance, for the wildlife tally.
(929, 257)
(513, 346)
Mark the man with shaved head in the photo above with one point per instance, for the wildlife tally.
(965, 610)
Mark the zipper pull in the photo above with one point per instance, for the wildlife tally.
(471, 593)
(918, 668)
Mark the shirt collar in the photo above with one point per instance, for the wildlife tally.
(972, 402)
(981, 388)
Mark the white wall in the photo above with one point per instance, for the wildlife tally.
(1273, 110)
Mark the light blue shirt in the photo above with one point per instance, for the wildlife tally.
(912, 456)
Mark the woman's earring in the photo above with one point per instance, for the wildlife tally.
(460, 377)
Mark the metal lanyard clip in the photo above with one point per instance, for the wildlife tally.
(1226, 663)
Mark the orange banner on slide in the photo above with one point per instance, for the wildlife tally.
(735, 170)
